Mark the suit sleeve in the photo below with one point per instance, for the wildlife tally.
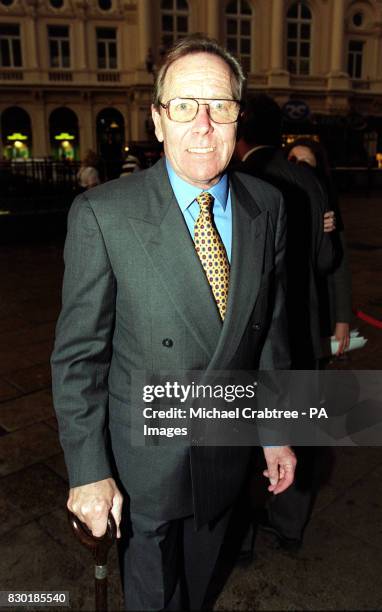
(322, 242)
(82, 351)
(340, 286)
(275, 353)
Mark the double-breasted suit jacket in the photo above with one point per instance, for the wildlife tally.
(135, 297)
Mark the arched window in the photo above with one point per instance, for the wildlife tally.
(16, 132)
(110, 138)
(173, 20)
(64, 134)
(299, 24)
(238, 25)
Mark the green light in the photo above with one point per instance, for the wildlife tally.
(64, 136)
(17, 136)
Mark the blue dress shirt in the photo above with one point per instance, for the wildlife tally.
(185, 195)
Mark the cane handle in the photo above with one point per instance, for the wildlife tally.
(98, 545)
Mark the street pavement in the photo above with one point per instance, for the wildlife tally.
(340, 564)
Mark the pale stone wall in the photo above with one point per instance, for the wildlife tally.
(86, 90)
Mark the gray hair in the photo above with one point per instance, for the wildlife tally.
(199, 43)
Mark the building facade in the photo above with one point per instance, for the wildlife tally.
(78, 74)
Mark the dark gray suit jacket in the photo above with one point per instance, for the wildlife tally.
(133, 279)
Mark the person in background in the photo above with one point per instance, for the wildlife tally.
(334, 289)
(310, 257)
(310, 250)
(131, 163)
(88, 175)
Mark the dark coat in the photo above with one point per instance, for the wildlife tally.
(335, 289)
(310, 252)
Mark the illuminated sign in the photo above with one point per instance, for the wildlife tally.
(64, 136)
(296, 110)
(17, 136)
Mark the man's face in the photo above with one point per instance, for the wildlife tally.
(199, 151)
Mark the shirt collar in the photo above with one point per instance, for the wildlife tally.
(186, 193)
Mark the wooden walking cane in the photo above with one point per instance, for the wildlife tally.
(100, 548)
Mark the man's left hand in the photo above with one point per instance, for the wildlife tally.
(281, 465)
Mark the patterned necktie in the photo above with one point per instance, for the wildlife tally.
(211, 251)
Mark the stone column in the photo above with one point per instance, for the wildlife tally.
(145, 41)
(278, 75)
(145, 16)
(40, 131)
(337, 54)
(80, 42)
(337, 77)
(277, 37)
(31, 57)
(86, 124)
(213, 18)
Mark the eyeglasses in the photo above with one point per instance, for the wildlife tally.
(183, 110)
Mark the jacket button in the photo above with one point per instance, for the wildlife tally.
(167, 342)
(256, 326)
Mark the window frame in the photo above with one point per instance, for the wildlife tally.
(174, 13)
(11, 39)
(107, 42)
(298, 40)
(353, 54)
(240, 17)
(60, 40)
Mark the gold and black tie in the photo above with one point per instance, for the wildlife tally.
(211, 251)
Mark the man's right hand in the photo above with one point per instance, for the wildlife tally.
(91, 503)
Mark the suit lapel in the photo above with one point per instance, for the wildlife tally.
(163, 233)
(248, 243)
(166, 239)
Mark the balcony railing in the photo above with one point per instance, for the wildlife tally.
(11, 75)
(360, 84)
(308, 81)
(108, 76)
(60, 75)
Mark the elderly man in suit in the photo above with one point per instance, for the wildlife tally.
(139, 295)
